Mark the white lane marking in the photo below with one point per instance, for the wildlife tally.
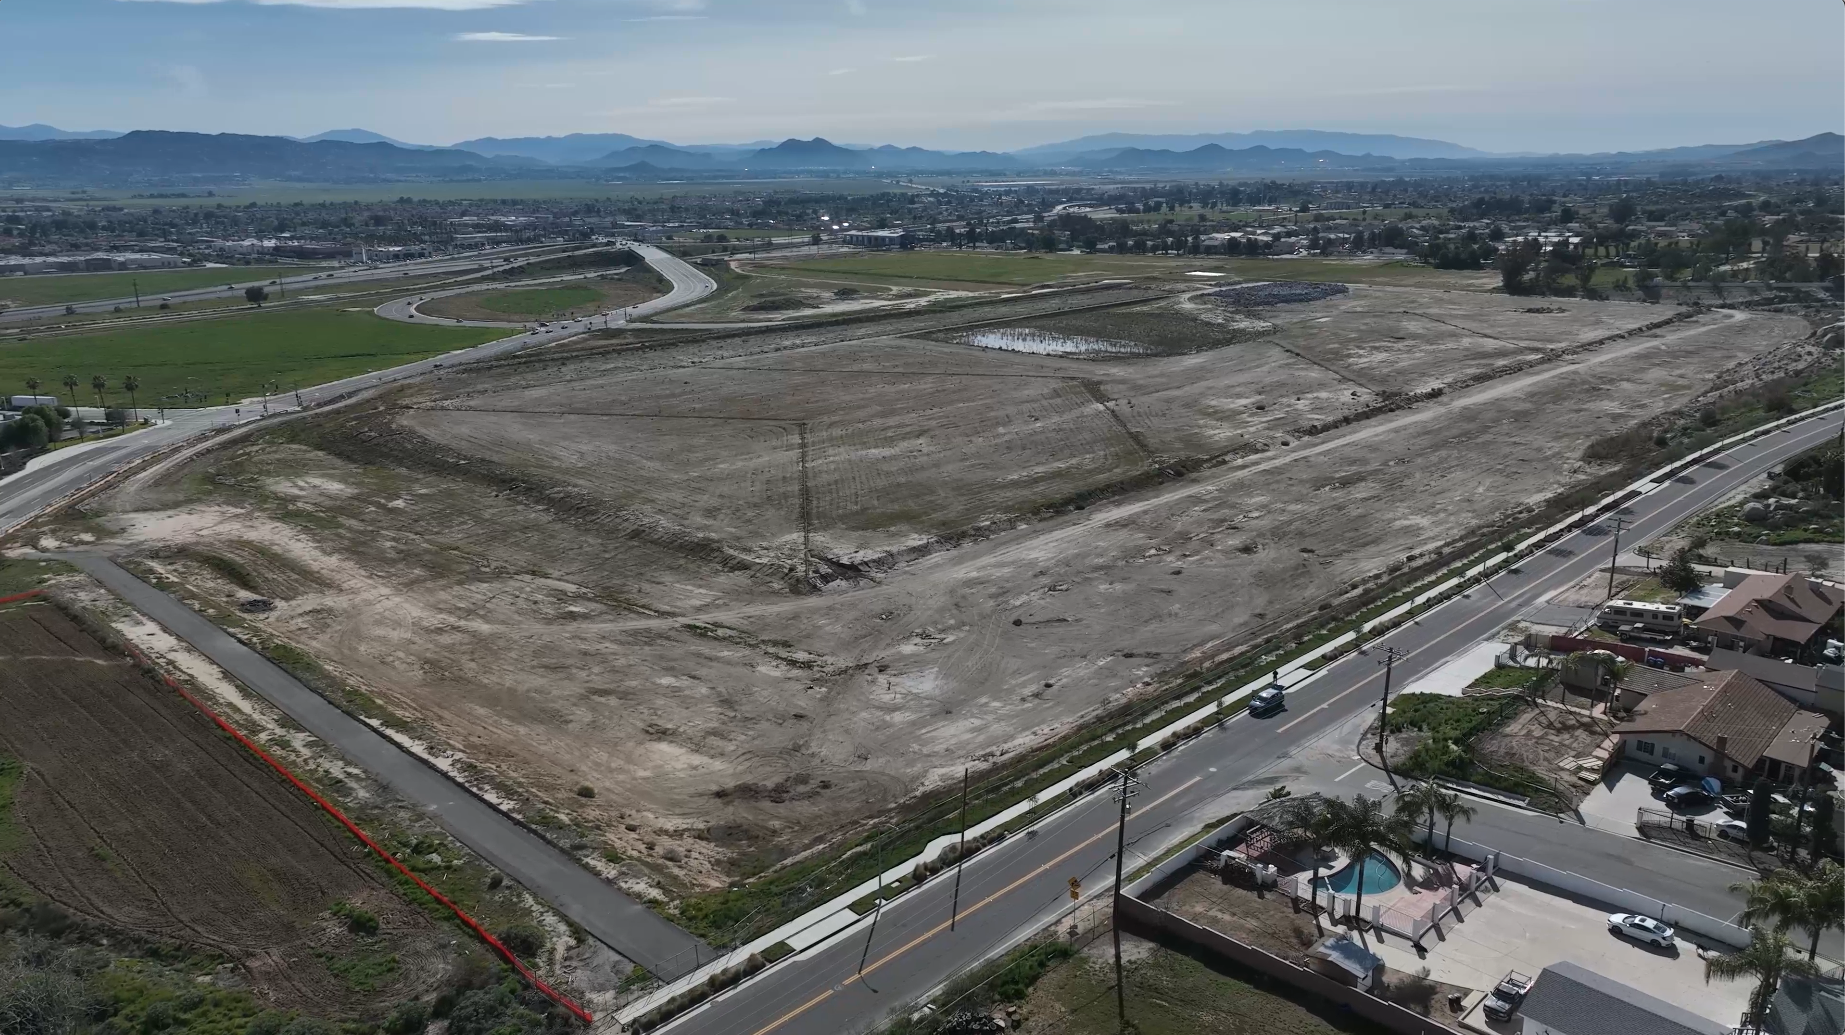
(1349, 772)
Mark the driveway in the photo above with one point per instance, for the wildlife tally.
(1622, 792)
(1521, 928)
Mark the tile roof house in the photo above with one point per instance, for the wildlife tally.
(1771, 614)
(1726, 725)
(1572, 1000)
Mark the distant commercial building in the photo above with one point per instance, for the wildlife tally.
(96, 262)
(878, 238)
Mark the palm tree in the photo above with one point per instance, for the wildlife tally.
(130, 384)
(1421, 802)
(100, 384)
(32, 384)
(1316, 821)
(1362, 830)
(1787, 899)
(1767, 961)
(1602, 663)
(70, 383)
(1452, 807)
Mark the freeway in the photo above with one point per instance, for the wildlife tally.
(52, 476)
(319, 277)
(1014, 889)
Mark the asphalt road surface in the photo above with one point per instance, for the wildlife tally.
(55, 475)
(1015, 888)
(630, 928)
(237, 278)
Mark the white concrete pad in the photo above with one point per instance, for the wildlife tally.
(1521, 928)
(1453, 675)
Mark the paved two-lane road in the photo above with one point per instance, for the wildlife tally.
(1013, 889)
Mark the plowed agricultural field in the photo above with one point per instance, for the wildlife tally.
(134, 812)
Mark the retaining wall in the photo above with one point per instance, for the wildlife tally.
(1175, 931)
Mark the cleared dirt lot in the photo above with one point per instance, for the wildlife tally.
(754, 588)
(134, 812)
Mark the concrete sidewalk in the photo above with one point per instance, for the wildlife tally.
(625, 925)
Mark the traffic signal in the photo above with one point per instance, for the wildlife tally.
(1076, 888)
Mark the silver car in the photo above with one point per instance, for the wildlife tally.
(1643, 929)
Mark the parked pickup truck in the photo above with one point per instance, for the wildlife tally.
(1506, 995)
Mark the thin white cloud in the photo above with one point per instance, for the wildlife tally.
(669, 18)
(855, 7)
(842, 71)
(912, 58)
(690, 102)
(501, 37)
(355, 5)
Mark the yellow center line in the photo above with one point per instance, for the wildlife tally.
(943, 926)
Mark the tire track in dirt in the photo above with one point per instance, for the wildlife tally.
(1075, 527)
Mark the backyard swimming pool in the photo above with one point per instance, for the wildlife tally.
(1377, 873)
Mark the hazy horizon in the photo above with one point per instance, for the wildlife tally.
(1562, 75)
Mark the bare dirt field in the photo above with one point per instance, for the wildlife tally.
(755, 588)
(134, 812)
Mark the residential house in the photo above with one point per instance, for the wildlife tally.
(1820, 688)
(1570, 1000)
(1727, 725)
(1772, 615)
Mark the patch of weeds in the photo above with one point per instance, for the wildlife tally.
(362, 922)
(365, 971)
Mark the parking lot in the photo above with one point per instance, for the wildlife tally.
(1622, 793)
(1522, 928)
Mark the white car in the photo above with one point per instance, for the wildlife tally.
(1641, 929)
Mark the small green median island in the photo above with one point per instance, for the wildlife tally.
(538, 302)
(235, 355)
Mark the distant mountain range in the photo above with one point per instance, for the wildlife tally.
(40, 131)
(1281, 139)
(47, 154)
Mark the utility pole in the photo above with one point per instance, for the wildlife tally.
(1620, 525)
(1130, 786)
(877, 910)
(1389, 660)
(1800, 807)
(137, 285)
(954, 908)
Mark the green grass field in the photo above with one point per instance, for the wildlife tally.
(536, 303)
(50, 288)
(235, 354)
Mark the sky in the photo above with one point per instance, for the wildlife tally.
(1501, 75)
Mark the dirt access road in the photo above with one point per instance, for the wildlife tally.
(602, 572)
